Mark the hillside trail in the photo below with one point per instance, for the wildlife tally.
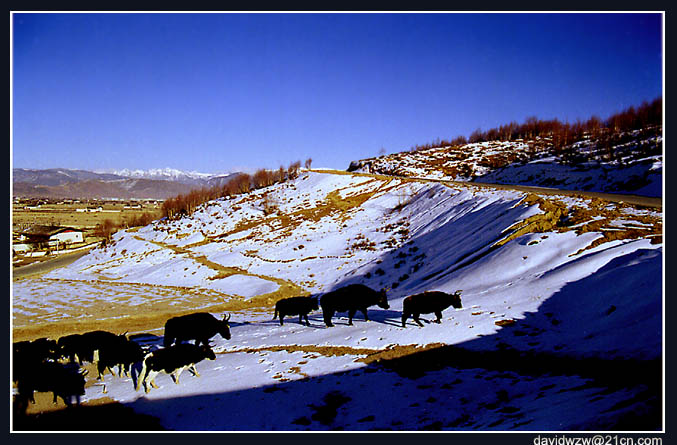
(287, 288)
(636, 200)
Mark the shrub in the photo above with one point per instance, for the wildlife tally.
(140, 220)
(105, 230)
(182, 205)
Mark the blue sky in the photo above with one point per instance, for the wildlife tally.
(223, 92)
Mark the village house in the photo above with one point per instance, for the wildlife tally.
(52, 236)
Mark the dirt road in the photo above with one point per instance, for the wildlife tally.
(645, 201)
(45, 266)
(611, 197)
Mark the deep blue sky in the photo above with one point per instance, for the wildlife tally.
(222, 92)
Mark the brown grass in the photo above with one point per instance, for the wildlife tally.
(65, 214)
(369, 355)
(597, 216)
(284, 223)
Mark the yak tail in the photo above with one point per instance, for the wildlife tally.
(275, 315)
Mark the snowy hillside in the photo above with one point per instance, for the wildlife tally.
(635, 166)
(558, 295)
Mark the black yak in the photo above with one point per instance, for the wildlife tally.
(429, 302)
(122, 352)
(351, 298)
(29, 354)
(300, 306)
(65, 381)
(200, 326)
(85, 347)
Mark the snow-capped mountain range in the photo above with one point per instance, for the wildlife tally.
(167, 174)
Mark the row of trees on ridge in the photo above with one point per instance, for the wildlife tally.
(561, 134)
(185, 204)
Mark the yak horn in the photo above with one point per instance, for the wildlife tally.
(226, 319)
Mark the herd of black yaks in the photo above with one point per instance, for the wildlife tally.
(47, 365)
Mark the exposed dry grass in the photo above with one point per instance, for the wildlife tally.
(364, 355)
(65, 214)
(283, 224)
(607, 219)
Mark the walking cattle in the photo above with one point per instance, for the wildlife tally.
(200, 326)
(429, 302)
(69, 347)
(85, 347)
(122, 353)
(26, 355)
(172, 360)
(351, 298)
(300, 306)
(65, 381)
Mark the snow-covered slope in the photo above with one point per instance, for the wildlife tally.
(558, 295)
(633, 166)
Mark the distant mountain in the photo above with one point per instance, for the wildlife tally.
(220, 180)
(167, 174)
(120, 189)
(123, 184)
(59, 176)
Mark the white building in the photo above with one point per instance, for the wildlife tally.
(53, 235)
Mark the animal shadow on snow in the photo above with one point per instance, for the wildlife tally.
(375, 313)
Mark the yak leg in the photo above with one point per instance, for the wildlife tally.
(141, 378)
(175, 375)
(404, 319)
(327, 318)
(307, 322)
(301, 319)
(101, 369)
(351, 314)
(364, 311)
(439, 317)
(417, 320)
(145, 384)
(281, 319)
(193, 369)
(150, 380)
